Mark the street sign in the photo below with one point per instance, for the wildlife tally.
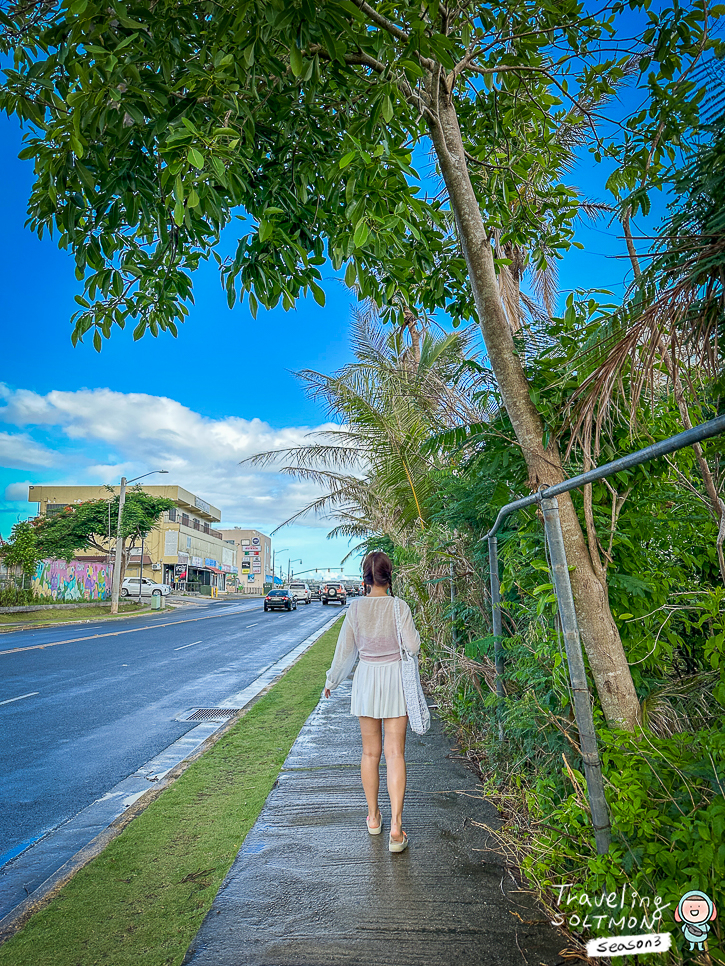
(180, 571)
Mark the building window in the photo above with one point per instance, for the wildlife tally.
(196, 524)
(185, 519)
(172, 516)
(52, 508)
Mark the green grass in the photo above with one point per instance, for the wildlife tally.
(143, 899)
(54, 614)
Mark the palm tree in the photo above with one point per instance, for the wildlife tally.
(374, 469)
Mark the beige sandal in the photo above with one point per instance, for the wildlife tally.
(394, 846)
(378, 828)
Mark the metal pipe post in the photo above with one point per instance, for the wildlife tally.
(496, 612)
(577, 673)
(453, 598)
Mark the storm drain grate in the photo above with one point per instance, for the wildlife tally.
(209, 714)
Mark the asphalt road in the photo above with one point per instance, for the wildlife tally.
(84, 706)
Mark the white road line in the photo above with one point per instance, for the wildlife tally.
(250, 625)
(20, 697)
(186, 645)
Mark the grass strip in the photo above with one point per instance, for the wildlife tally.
(144, 898)
(53, 614)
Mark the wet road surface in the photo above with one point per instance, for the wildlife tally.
(84, 706)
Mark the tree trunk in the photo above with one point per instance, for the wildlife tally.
(599, 632)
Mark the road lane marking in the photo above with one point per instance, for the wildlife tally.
(186, 645)
(250, 625)
(20, 697)
(130, 630)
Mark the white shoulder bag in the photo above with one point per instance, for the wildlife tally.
(418, 713)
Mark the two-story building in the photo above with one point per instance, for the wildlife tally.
(183, 549)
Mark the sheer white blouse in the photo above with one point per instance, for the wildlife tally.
(369, 630)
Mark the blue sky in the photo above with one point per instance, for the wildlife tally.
(197, 404)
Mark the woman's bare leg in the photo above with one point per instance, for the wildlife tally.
(395, 729)
(372, 742)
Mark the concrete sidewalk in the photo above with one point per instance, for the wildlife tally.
(311, 887)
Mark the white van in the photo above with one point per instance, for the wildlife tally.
(301, 591)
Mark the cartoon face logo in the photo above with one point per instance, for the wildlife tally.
(695, 911)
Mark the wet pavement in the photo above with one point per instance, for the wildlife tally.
(311, 887)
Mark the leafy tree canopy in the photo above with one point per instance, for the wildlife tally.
(22, 549)
(151, 125)
(87, 525)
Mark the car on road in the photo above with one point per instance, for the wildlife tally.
(149, 588)
(315, 592)
(334, 593)
(301, 591)
(280, 600)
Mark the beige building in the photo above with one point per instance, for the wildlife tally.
(183, 549)
(253, 558)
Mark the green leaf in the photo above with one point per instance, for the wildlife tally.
(179, 213)
(347, 158)
(296, 60)
(318, 293)
(361, 234)
(196, 158)
(97, 341)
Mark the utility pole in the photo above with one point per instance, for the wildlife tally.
(140, 573)
(119, 550)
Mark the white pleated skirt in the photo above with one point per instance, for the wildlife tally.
(377, 690)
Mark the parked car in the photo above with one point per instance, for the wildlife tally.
(301, 591)
(149, 588)
(280, 600)
(334, 593)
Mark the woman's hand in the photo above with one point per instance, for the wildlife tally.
(327, 692)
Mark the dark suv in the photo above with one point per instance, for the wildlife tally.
(333, 593)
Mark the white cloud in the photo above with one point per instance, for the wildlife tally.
(17, 492)
(116, 434)
(20, 450)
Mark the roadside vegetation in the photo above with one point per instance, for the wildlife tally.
(144, 898)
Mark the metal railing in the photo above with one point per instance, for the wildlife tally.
(546, 498)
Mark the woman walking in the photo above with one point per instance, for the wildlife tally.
(370, 630)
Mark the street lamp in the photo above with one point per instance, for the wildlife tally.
(117, 562)
(274, 572)
(289, 562)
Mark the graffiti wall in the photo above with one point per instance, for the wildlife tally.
(72, 581)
